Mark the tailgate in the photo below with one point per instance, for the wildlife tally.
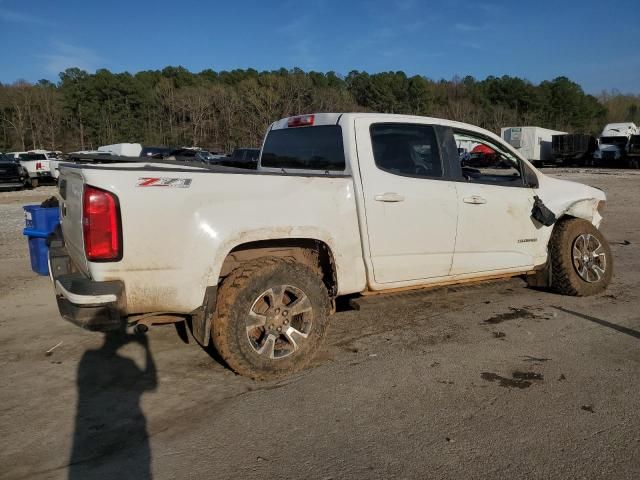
(35, 166)
(71, 186)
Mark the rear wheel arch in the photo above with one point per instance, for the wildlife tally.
(313, 253)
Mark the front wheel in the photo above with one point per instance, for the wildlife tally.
(271, 317)
(581, 262)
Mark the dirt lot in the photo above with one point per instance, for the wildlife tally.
(489, 381)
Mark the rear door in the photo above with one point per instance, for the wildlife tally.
(410, 207)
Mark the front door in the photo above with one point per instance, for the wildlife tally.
(495, 229)
(411, 210)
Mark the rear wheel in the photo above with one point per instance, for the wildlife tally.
(581, 262)
(34, 182)
(271, 317)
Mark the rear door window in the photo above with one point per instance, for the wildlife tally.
(305, 148)
(406, 149)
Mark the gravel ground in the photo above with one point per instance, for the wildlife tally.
(488, 381)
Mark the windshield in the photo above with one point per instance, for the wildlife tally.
(305, 148)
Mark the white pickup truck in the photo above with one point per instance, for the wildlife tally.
(339, 204)
(36, 163)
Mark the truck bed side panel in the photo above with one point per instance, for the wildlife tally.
(177, 238)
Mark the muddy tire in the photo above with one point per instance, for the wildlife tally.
(271, 317)
(581, 263)
(33, 183)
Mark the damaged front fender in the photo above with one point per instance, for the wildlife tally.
(565, 198)
(587, 209)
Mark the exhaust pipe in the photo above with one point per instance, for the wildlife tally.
(140, 324)
(140, 328)
(137, 329)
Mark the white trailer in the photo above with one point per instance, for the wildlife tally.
(534, 143)
(122, 149)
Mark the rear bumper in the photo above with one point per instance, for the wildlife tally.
(92, 305)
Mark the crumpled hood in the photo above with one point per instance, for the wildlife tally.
(566, 197)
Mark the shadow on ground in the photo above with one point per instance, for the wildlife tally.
(109, 420)
(619, 328)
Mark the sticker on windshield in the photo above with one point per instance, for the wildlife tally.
(164, 182)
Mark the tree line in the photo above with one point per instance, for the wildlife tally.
(224, 110)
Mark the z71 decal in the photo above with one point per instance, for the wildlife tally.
(164, 182)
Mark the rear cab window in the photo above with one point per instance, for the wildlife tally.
(317, 149)
(32, 156)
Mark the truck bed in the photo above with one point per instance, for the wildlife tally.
(180, 221)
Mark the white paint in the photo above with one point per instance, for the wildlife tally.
(124, 149)
(401, 213)
(31, 166)
(176, 239)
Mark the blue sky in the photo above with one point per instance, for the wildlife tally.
(597, 44)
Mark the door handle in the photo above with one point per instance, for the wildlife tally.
(475, 200)
(389, 197)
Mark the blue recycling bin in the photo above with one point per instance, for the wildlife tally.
(39, 223)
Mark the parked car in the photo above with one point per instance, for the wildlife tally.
(339, 204)
(12, 174)
(36, 164)
(180, 154)
(241, 158)
(90, 156)
(156, 152)
(53, 158)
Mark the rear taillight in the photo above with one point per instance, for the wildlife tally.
(38, 166)
(101, 225)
